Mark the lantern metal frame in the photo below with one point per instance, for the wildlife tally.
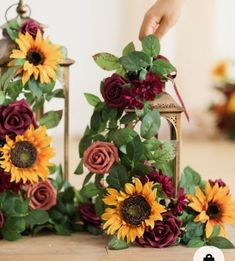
(171, 111)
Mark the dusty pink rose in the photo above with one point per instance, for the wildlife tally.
(42, 195)
(100, 157)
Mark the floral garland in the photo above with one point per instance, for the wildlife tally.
(30, 201)
(128, 192)
(33, 68)
(225, 111)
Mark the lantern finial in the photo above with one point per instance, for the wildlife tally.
(22, 9)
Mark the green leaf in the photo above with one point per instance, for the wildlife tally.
(19, 62)
(196, 242)
(151, 45)
(128, 118)
(51, 119)
(123, 136)
(12, 228)
(14, 89)
(193, 230)
(121, 71)
(87, 178)
(8, 76)
(2, 97)
(189, 180)
(35, 88)
(117, 244)
(93, 100)
(141, 169)
(38, 104)
(58, 93)
(79, 169)
(220, 242)
(216, 231)
(107, 61)
(90, 190)
(62, 229)
(95, 121)
(135, 61)
(135, 149)
(37, 217)
(93, 230)
(165, 153)
(117, 177)
(12, 33)
(69, 195)
(150, 124)
(128, 49)
(162, 67)
(47, 88)
(58, 182)
(15, 207)
(99, 204)
(84, 144)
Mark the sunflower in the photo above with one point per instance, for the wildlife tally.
(220, 70)
(215, 207)
(27, 157)
(39, 57)
(132, 211)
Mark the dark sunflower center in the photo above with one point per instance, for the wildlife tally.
(213, 211)
(135, 210)
(35, 57)
(24, 154)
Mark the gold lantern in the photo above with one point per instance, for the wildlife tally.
(171, 111)
(6, 46)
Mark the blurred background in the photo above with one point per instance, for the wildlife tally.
(203, 36)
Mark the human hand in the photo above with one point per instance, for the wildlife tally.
(160, 18)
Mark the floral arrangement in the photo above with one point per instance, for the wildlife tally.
(128, 192)
(33, 68)
(225, 111)
(31, 201)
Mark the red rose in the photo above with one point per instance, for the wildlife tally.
(31, 27)
(15, 119)
(100, 157)
(113, 91)
(165, 233)
(42, 195)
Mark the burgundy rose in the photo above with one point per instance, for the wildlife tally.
(165, 233)
(6, 184)
(31, 27)
(100, 157)
(1, 220)
(181, 202)
(15, 119)
(89, 216)
(164, 181)
(42, 195)
(146, 90)
(113, 91)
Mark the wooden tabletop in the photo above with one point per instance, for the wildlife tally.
(84, 247)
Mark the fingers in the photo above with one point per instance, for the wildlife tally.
(163, 28)
(148, 26)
